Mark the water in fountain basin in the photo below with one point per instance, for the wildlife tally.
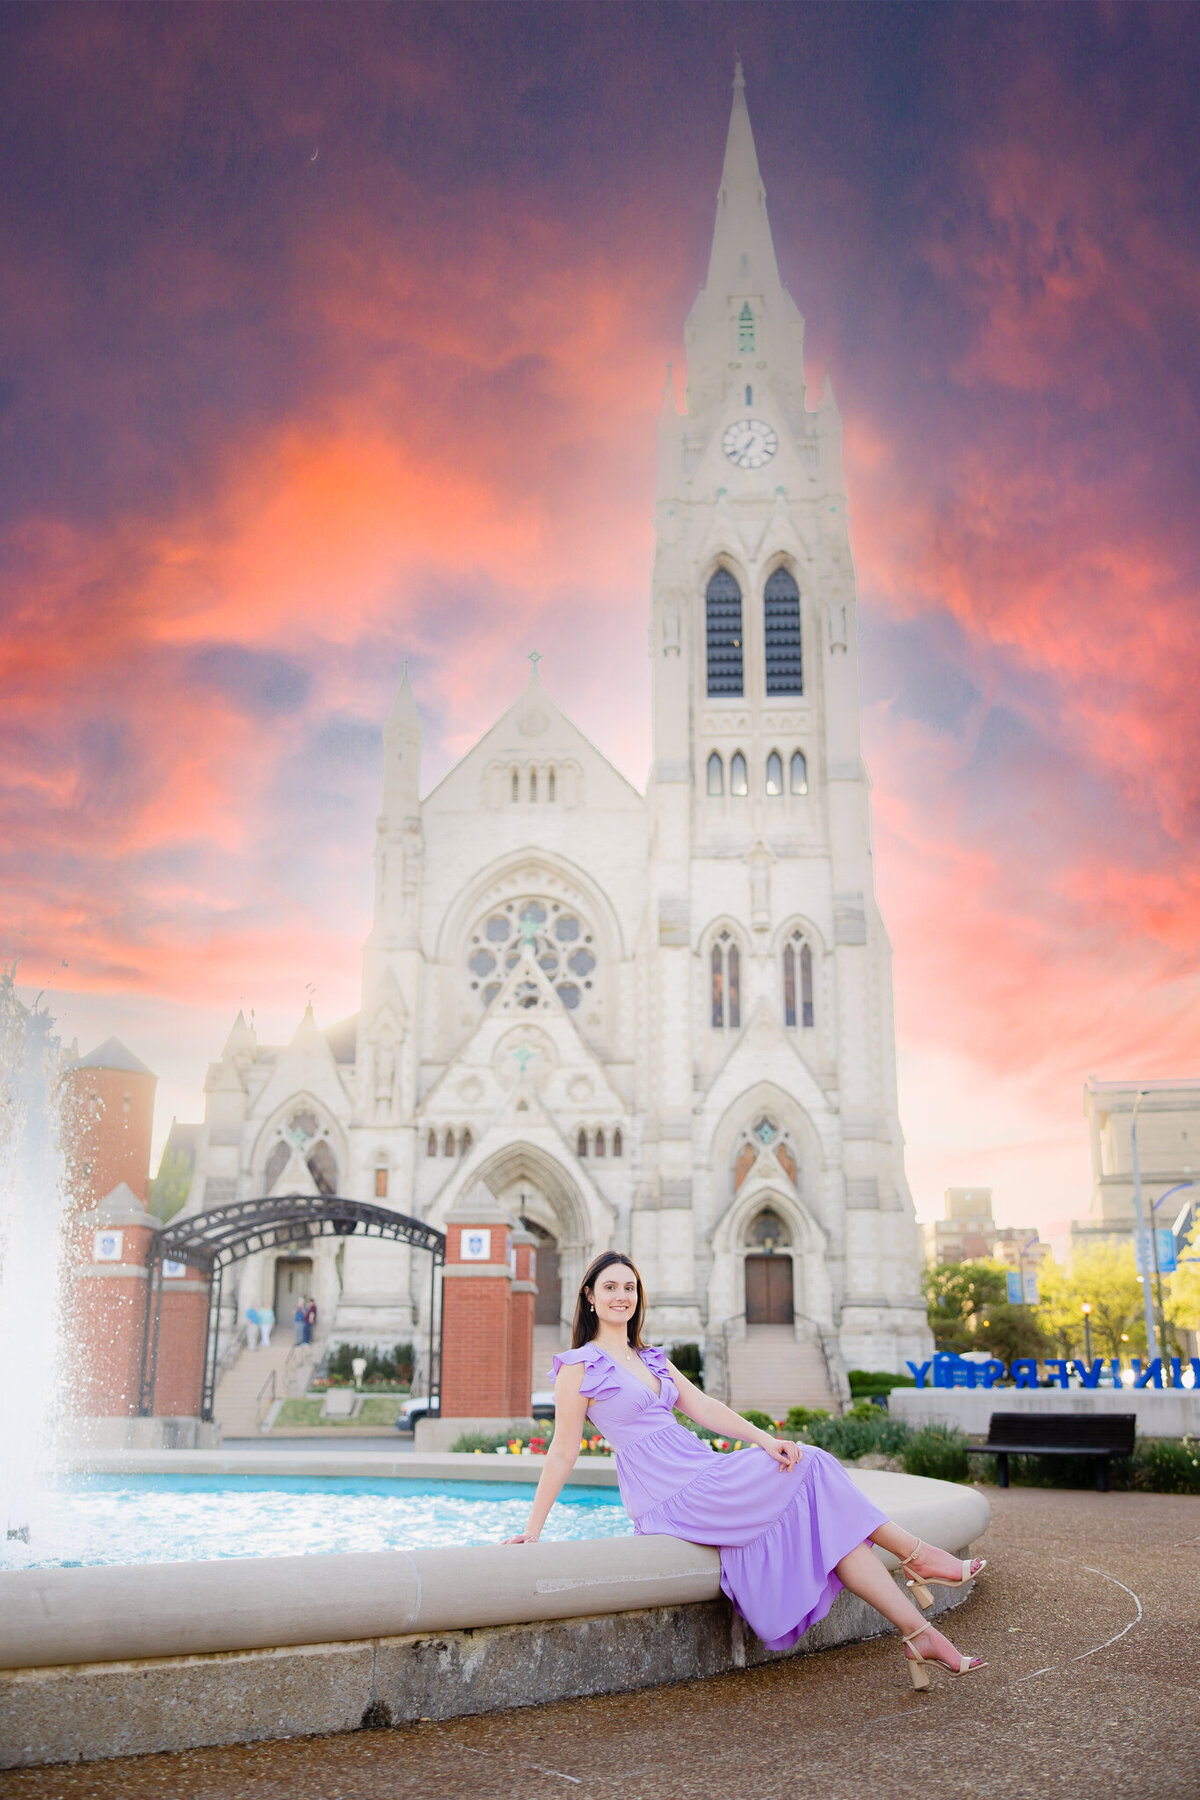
(32, 1198)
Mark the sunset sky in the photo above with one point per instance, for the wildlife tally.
(333, 336)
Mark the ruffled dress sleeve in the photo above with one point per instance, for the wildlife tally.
(599, 1375)
(655, 1359)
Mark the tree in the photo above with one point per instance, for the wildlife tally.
(956, 1295)
(169, 1189)
(1060, 1309)
(1105, 1276)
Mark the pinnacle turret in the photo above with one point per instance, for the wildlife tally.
(402, 751)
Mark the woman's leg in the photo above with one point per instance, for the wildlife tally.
(863, 1573)
(932, 1562)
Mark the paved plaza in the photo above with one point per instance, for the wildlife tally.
(1089, 1615)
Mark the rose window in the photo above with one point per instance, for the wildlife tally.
(562, 946)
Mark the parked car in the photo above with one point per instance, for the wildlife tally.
(417, 1406)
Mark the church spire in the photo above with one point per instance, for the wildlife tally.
(744, 330)
(743, 257)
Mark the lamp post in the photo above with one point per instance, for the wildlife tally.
(1087, 1332)
(1140, 1209)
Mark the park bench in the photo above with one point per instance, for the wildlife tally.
(1058, 1434)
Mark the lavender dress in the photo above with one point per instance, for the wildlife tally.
(779, 1535)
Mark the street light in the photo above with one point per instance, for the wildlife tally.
(1087, 1332)
(1139, 1207)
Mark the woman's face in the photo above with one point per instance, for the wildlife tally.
(615, 1294)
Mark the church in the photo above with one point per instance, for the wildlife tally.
(659, 1022)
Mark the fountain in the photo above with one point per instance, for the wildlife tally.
(32, 1218)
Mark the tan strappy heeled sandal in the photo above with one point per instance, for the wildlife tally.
(919, 1667)
(919, 1585)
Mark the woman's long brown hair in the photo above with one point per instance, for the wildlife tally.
(586, 1323)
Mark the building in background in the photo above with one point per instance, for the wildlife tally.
(1168, 1120)
(660, 1021)
(969, 1233)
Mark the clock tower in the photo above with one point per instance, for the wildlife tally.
(771, 1117)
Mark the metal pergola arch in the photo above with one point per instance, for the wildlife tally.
(214, 1241)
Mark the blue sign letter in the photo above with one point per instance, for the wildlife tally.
(1090, 1377)
(1023, 1370)
(919, 1372)
(1059, 1363)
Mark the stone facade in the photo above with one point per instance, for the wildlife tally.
(1168, 1126)
(663, 1021)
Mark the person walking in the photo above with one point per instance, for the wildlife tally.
(266, 1325)
(252, 1328)
(310, 1319)
(300, 1322)
(791, 1526)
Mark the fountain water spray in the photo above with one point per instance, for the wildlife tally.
(32, 1209)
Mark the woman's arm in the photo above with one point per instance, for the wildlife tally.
(716, 1417)
(570, 1410)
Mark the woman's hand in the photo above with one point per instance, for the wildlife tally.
(785, 1453)
(526, 1537)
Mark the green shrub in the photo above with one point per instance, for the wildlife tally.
(865, 1382)
(689, 1362)
(763, 1420)
(938, 1451)
(801, 1417)
(851, 1438)
(393, 1367)
(1166, 1465)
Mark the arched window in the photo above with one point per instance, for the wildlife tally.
(723, 620)
(618, 1146)
(448, 1146)
(550, 785)
(276, 1164)
(599, 1143)
(716, 776)
(381, 1178)
(431, 1144)
(533, 784)
(322, 1166)
(799, 774)
(749, 395)
(739, 783)
(774, 773)
(467, 1141)
(798, 982)
(581, 1143)
(726, 993)
(781, 634)
(516, 785)
(746, 330)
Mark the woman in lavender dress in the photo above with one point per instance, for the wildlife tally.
(790, 1536)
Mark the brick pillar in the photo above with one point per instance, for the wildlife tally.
(108, 1305)
(183, 1323)
(520, 1326)
(477, 1309)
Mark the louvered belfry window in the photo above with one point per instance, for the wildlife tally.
(781, 610)
(723, 612)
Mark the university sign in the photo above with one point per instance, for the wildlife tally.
(951, 1371)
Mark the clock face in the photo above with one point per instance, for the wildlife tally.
(749, 443)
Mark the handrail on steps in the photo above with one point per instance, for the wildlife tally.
(264, 1399)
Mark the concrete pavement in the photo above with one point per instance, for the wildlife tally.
(1089, 1614)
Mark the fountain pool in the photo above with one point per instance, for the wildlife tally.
(121, 1519)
